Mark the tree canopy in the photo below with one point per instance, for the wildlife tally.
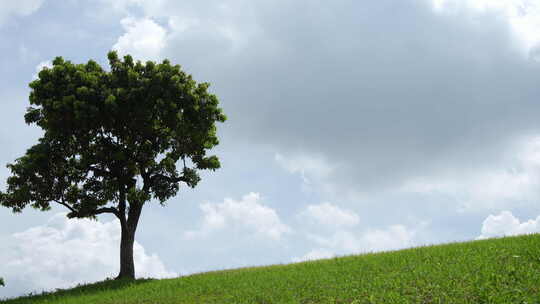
(113, 139)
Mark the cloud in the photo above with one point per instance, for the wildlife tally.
(412, 110)
(365, 103)
(246, 215)
(196, 29)
(331, 215)
(315, 254)
(311, 168)
(18, 8)
(41, 66)
(344, 242)
(144, 39)
(523, 16)
(506, 224)
(414, 95)
(371, 240)
(344, 236)
(121, 5)
(65, 252)
(391, 238)
(516, 181)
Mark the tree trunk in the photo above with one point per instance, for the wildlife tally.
(129, 227)
(127, 265)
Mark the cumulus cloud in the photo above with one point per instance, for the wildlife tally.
(18, 8)
(205, 30)
(415, 95)
(247, 215)
(342, 234)
(343, 242)
(390, 238)
(144, 39)
(522, 15)
(121, 5)
(65, 252)
(423, 101)
(516, 181)
(331, 215)
(41, 66)
(232, 22)
(393, 237)
(506, 224)
(311, 168)
(412, 96)
(315, 254)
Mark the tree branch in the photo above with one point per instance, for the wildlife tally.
(95, 212)
(149, 179)
(100, 171)
(67, 206)
(107, 210)
(170, 179)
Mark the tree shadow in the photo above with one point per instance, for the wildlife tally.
(81, 289)
(108, 284)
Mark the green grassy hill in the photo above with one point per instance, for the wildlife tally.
(505, 270)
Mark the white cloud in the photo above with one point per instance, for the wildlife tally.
(341, 234)
(148, 7)
(246, 214)
(506, 224)
(121, 5)
(393, 237)
(523, 16)
(518, 182)
(343, 242)
(313, 169)
(65, 252)
(144, 39)
(304, 164)
(180, 25)
(41, 65)
(315, 254)
(232, 22)
(479, 190)
(18, 8)
(348, 242)
(331, 215)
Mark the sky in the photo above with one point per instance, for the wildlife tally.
(353, 126)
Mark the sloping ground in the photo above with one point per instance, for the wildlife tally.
(505, 270)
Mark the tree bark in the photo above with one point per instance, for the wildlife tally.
(127, 265)
(129, 227)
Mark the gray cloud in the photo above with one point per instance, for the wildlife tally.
(385, 108)
(18, 8)
(384, 93)
(386, 90)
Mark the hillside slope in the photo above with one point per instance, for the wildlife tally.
(504, 270)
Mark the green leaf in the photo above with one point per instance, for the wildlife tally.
(110, 133)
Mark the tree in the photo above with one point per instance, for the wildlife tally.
(113, 140)
(1, 282)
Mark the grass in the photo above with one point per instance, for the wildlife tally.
(503, 270)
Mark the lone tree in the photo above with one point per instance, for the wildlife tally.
(113, 141)
(1, 282)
